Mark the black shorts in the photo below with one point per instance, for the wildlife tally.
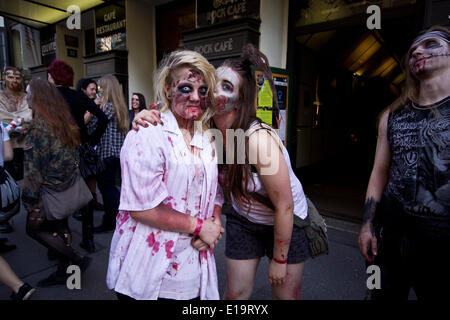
(247, 240)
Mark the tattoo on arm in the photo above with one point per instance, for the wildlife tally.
(369, 213)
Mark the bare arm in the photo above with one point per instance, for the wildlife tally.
(375, 188)
(8, 153)
(277, 183)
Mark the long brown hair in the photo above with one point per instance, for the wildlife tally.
(112, 92)
(412, 83)
(237, 175)
(47, 103)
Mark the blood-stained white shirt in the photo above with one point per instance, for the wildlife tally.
(157, 167)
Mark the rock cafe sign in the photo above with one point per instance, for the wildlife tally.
(215, 11)
(224, 45)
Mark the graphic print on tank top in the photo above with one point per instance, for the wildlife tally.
(419, 175)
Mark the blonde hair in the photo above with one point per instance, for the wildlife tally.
(184, 58)
(112, 92)
(412, 83)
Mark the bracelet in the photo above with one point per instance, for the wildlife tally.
(198, 228)
(279, 261)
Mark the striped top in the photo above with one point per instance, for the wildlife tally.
(255, 211)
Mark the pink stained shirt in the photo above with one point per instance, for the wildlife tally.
(157, 167)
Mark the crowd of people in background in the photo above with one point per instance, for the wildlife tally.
(166, 217)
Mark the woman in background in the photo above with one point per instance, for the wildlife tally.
(137, 105)
(108, 150)
(53, 139)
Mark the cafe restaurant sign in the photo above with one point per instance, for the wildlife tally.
(110, 28)
(211, 12)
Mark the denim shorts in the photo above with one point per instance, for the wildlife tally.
(247, 240)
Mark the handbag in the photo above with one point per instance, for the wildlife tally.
(89, 162)
(9, 196)
(314, 226)
(62, 200)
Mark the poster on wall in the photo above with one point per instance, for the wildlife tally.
(110, 27)
(211, 12)
(265, 109)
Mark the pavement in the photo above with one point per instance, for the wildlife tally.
(340, 275)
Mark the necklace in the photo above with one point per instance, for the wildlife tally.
(431, 106)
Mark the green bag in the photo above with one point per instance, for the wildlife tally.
(315, 229)
(314, 226)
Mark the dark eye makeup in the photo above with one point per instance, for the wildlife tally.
(184, 89)
(203, 91)
(187, 89)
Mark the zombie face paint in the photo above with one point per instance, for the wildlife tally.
(227, 90)
(13, 80)
(188, 93)
(430, 53)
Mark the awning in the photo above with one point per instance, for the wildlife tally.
(40, 13)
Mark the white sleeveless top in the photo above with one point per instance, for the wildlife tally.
(258, 212)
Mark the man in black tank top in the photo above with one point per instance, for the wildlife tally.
(406, 224)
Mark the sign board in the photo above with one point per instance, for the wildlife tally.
(72, 53)
(48, 48)
(217, 47)
(265, 107)
(110, 28)
(211, 12)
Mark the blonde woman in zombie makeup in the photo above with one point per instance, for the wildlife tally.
(169, 218)
(261, 220)
(406, 225)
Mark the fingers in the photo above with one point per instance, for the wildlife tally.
(374, 246)
(276, 281)
(363, 248)
(138, 122)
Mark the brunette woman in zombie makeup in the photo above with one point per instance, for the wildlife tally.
(261, 220)
(406, 225)
(170, 205)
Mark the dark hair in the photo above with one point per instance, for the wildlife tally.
(84, 83)
(142, 104)
(47, 102)
(237, 175)
(61, 72)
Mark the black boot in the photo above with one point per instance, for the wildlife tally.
(87, 242)
(59, 277)
(5, 227)
(97, 205)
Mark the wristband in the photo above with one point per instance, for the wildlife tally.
(279, 261)
(198, 228)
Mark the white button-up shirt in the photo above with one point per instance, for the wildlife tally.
(157, 167)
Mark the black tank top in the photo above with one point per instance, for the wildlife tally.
(419, 174)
